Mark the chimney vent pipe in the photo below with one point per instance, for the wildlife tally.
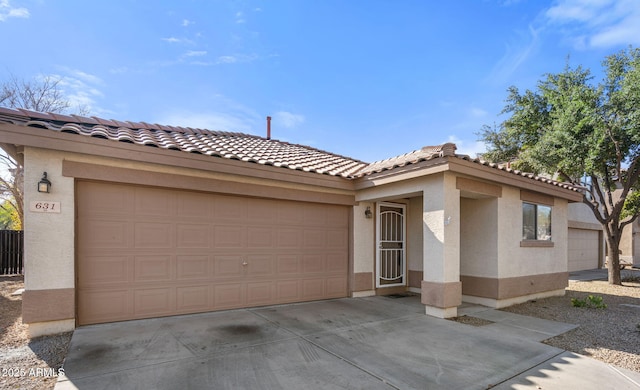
(268, 127)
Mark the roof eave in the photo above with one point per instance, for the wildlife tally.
(35, 137)
(470, 168)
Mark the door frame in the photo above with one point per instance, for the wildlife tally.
(402, 206)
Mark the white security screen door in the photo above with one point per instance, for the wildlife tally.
(390, 237)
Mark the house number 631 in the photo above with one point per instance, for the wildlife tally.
(44, 207)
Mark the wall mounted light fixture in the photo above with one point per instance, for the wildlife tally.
(44, 185)
(367, 213)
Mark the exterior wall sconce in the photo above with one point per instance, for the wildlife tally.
(367, 213)
(44, 185)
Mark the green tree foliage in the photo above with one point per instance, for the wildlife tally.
(584, 133)
(9, 219)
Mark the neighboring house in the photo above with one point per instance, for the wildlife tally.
(147, 221)
(586, 239)
(630, 245)
(587, 244)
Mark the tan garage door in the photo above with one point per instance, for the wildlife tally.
(583, 249)
(149, 252)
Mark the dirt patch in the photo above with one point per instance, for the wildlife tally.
(26, 363)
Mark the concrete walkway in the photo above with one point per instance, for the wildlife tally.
(600, 274)
(372, 343)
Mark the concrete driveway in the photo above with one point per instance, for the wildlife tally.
(359, 343)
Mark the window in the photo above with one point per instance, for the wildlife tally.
(536, 222)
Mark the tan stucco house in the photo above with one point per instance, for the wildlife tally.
(146, 221)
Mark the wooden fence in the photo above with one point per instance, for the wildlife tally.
(11, 252)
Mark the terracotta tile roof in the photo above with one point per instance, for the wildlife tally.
(528, 175)
(240, 146)
(426, 153)
(448, 150)
(237, 146)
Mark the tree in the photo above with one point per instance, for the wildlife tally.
(583, 133)
(11, 188)
(42, 95)
(9, 217)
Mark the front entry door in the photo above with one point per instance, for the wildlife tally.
(391, 242)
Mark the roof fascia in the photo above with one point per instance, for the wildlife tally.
(49, 139)
(476, 170)
(409, 171)
(461, 166)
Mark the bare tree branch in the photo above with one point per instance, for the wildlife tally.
(42, 95)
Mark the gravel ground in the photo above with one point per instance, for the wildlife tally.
(611, 335)
(26, 363)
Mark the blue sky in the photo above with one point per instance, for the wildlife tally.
(366, 79)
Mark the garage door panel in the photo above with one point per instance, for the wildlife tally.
(229, 296)
(154, 202)
(261, 212)
(315, 238)
(313, 289)
(230, 210)
(228, 266)
(114, 200)
(336, 287)
(337, 263)
(313, 263)
(153, 302)
(193, 299)
(105, 234)
(288, 291)
(100, 306)
(194, 206)
(191, 267)
(100, 270)
(337, 216)
(260, 265)
(186, 252)
(583, 249)
(288, 264)
(337, 239)
(261, 237)
(290, 214)
(153, 235)
(289, 238)
(260, 293)
(315, 215)
(192, 236)
(227, 236)
(153, 269)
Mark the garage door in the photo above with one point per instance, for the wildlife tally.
(583, 249)
(148, 252)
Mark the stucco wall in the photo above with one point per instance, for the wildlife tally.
(363, 240)
(626, 243)
(414, 234)
(441, 235)
(49, 237)
(514, 260)
(479, 237)
(580, 212)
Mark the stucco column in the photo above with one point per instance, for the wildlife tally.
(48, 302)
(441, 286)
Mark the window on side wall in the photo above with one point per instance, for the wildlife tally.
(536, 222)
